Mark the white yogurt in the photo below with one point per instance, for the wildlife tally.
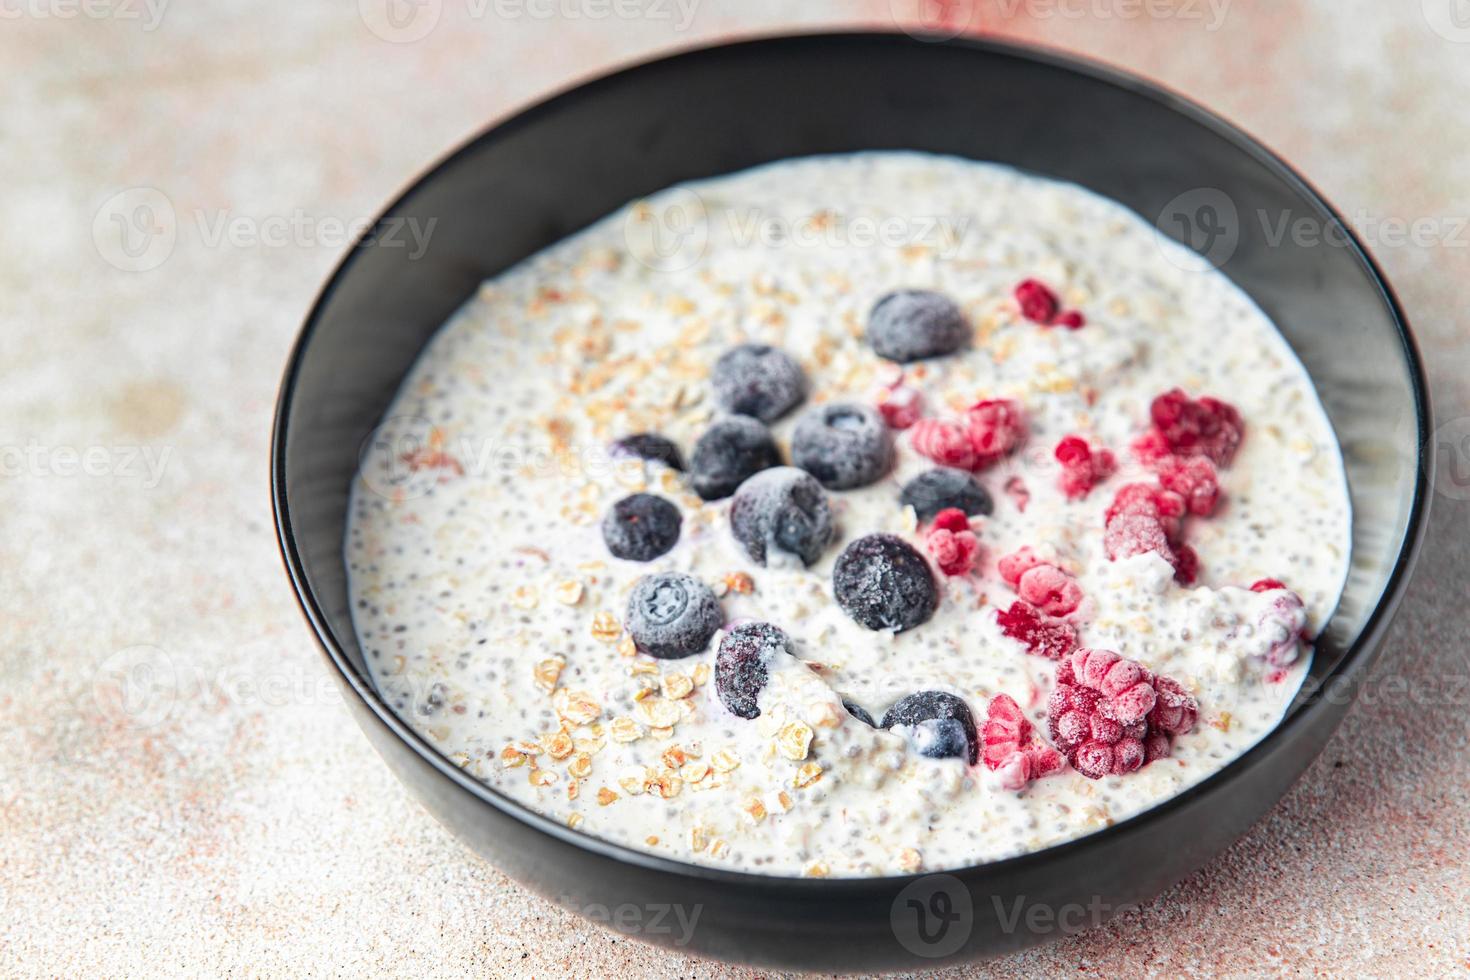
(490, 608)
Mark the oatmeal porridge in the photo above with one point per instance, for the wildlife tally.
(850, 516)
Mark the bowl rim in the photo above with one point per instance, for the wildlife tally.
(1353, 658)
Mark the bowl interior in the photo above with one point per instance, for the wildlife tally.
(565, 163)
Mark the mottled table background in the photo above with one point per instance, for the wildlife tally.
(235, 820)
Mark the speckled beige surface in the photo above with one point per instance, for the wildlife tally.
(230, 818)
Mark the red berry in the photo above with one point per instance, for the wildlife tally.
(1135, 534)
(901, 406)
(1149, 501)
(1281, 627)
(1151, 447)
(946, 441)
(997, 427)
(1072, 320)
(1082, 468)
(1207, 427)
(1267, 585)
(1038, 303)
(1194, 479)
(1010, 747)
(955, 552)
(1016, 564)
(1175, 710)
(1044, 637)
(1186, 565)
(1050, 589)
(952, 519)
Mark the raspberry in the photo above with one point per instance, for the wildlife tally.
(1016, 564)
(1280, 629)
(1194, 479)
(1267, 585)
(1015, 488)
(951, 542)
(1207, 427)
(901, 406)
(1009, 745)
(1186, 565)
(1072, 320)
(1151, 447)
(1050, 589)
(1038, 303)
(1142, 499)
(946, 441)
(1135, 534)
(997, 428)
(1127, 686)
(1044, 637)
(1175, 710)
(1082, 469)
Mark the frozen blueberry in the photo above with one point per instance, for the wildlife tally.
(859, 712)
(884, 584)
(672, 615)
(742, 666)
(731, 450)
(941, 488)
(650, 446)
(843, 445)
(758, 380)
(780, 512)
(912, 324)
(641, 527)
(939, 725)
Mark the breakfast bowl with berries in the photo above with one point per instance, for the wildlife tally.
(857, 520)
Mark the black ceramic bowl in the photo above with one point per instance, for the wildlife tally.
(561, 165)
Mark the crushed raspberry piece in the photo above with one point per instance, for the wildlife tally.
(1175, 710)
(1018, 563)
(1151, 447)
(1011, 748)
(1082, 468)
(1072, 320)
(1281, 627)
(1193, 478)
(1267, 585)
(1186, 565)
(1136, 534)
(1207, 427)
(945, 441)
(1049, 589)
(1042, 636)
(950, 541)
(997, 428)
(901, 406)
(1015, 488)
(1038, 303)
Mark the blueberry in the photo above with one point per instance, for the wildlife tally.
(742, 666)
(940, 725)
(843, 445)
(782, 512)
(912, 324)
(731, 450)
(884, 584)
(641, 527)
(859, 712)
(672, 615)
(650, 446)
(757, 380)
(940, 488)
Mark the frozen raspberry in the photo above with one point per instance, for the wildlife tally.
(1010, 747)
(997, 428)
(1038, 303)
(1207, 427)
(1015, 488)
(1136, 534)
(1097, 731)
(1126, 685)
(952, 544)
(1280, 629)
(1018, 563)
(1042, 636)
(946, 441)
(1194, 479)
(1267, 585)
(1050, 589)
(1186, 565)
(1082, 468)
(1072, 320)
(1175, 710)
(1148, 501)
(1156, 746)
(901, 406)
(1151, 447)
